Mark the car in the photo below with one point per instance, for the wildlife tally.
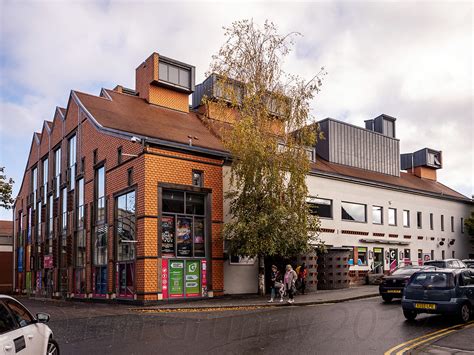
(440, 291)
(392, 285)
(469, 263)
(446, 263)
(21, 332)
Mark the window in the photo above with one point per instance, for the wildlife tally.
(130, 176)
(64, 211)
(183, 235)
(38, 224)
(21, 315)
(406, 255)
(100, 194)
(377, 215)
(45, 179)
(431, 221)
(7, 324)
(197, 178)
(241, 260)
(392, 216)
(80, 236)
(125, 222)
(100, 245)
(453, 254)
(452, 224)
(420, 254)
(94, 156)
(432, 255)
(406, 218)
(72, 162)
(57, 171)
(443, 254)
(80, 204)
(388, 128)
(119, 155)
(321, 207)
(355, 212)
(174, 74)
(49, 245)
(362, 256)
(29, 226)
(34, 187)
(419, 220)
(462, 225)
(442, 222)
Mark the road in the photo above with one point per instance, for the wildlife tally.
(358, 327)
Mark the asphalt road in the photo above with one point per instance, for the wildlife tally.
(358, 327)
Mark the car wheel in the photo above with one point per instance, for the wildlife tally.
(387, 299)
(464, 313)
(53, 347)
(409, 315)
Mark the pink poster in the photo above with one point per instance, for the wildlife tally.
(164, 278)
(204, 278)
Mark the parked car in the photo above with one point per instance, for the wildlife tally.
(446, 264)
(469, 263)
(21, 332)
(440, 291)
(392, 285)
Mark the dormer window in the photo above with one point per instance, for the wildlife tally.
(175, 73)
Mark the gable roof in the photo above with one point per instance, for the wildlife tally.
(134, 115)
(406, 181)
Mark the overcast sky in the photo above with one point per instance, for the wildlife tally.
(413, 61)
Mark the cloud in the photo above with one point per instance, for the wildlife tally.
(410, 60)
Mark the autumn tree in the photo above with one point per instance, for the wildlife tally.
(6, 186)
(269, 141)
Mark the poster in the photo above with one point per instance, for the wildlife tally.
(193, 286)
(393, 253)
(167, 235)
(204, 278)
(184, 239)
(48, 261)
(426, 257)
(164, 278)
(199, 249)
(176, 274)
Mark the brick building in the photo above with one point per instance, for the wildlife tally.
(122, 195)
(6, 256)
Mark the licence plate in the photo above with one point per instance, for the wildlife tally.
(425, 306)
(394, 291)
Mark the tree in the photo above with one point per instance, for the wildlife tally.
(6, 186)
(268, 141)
(469, 223)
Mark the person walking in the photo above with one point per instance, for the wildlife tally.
(289, 281)
(275, 284)
(302, 274)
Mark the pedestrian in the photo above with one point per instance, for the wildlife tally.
(276, 284)
(290, 280)
(302, 274)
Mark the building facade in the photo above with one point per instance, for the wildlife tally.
(122, 195)
(6, 256)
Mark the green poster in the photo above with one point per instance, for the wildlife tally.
(193, 284)
(176, 269)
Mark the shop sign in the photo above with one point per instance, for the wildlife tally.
(176, 271)
(164, 278)
(167, 235)
(193, 286)
(48, 261)
(393, 259)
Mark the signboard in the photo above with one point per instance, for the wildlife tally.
(184, 239)
(176, 275)
(167, 235)
(193, 284)
(48, 261)
(164, 278)
(393, 259)
(204, 278)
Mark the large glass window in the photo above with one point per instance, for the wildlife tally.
(320, 206)
(353, 212)
(392, 216)
(45, 179)
(419, 219)
(80, 232)
(431, 221)
(49, 248)
(100, 195)
(80, 204)
(38, 224)
(34, 175)
(57, 171)
(100, 246)
(64, 211)
(174, 74)
(72, 162)
(126, 238)
(442, 222)
(377, 215)
(406, 218)
(183, 227)
(361, 256)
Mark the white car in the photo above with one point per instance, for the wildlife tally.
(21, 333)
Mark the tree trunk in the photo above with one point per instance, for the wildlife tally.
(261, 276)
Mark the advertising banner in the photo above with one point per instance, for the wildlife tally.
(167, 235)
(393, 259)
(193, 284)
(184, 239)
(176, 276)
(164, 278)
(204, 278)
(48, 261)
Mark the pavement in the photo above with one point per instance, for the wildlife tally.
(459, 343)
(236, 301)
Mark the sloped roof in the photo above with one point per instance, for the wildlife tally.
(406, 180)
(134, 115)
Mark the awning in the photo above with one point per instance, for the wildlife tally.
(380, 241)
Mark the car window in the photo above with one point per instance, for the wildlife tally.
(7, 323)
(433, 280)
(451, 264)
(466, 279)
(20, 313)
(439, 264)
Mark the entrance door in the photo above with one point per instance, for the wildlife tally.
(378, 260)
(126, 284)
(393, 255)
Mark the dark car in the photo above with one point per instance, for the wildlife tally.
(392, 285)
(469, 263)
(440, 291)
(446, 263)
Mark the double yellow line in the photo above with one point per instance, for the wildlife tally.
(413, 343)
